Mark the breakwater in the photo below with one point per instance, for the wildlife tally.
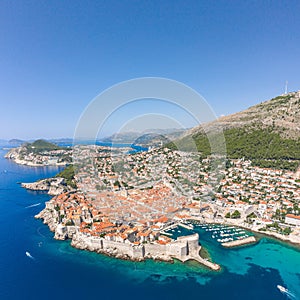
(248, 240)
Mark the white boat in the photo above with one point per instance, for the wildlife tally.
(282, 289)
(29, 255)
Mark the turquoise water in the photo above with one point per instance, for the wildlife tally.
(58, 271)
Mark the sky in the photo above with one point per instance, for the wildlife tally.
(57, 56)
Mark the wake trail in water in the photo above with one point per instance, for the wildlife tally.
(38, 231)
(33, 205)
(29, 255)
(290, 295)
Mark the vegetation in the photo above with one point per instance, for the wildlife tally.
(69, 175)
(252, 216)
(41, 145)
(69, 223)
(263, 147)
(227, 215)
(235, 215)
(287, 230)
(276, 227)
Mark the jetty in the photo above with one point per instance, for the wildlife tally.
(186, 226)
(193, 253)
(203, 261)
(248, 240)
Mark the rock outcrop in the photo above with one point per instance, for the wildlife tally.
(54, 186)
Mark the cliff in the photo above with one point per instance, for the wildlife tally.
(54, 186)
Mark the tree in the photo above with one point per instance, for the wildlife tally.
(227, 215)
(252, 215)
(236, 214)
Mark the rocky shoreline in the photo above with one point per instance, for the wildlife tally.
(128, 251)
(294, 241)
(27, 156)
(53, 186)
(184, 248)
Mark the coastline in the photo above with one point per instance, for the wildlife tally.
(184, 248)
(31, 164)
(141, 252)
(43, 157)
(274, 235)
(115, 249)
(53, 186)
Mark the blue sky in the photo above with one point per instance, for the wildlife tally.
(56, 56)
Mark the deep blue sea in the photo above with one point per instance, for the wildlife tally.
(58, 271)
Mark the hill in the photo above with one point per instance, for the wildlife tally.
(16, 142)
(41, 145)
(40, 153)
(150, 137)
(267, 133)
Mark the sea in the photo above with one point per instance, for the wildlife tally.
(35, 266)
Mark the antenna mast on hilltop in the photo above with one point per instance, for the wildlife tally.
(286, 87)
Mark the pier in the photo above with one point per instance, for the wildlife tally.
(248, 240)
(205, 262)
(186, 226)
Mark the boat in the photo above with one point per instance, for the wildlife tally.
(29, 255)
(282, 289)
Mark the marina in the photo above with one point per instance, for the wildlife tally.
(220, 234)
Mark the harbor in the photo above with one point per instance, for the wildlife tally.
(224, 235)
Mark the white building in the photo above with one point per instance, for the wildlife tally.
(292, 219)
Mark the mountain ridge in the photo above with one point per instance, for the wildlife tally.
(281, 112)
(267, 133)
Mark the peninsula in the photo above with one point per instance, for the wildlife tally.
(122, 204)
(134, 198)
(40, 153)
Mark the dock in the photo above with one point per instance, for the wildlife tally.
(248, 240)
(205, 262)
(186, 226)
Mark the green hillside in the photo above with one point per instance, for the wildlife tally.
(268, 134)
(41, 145)
(264, 147)
(68, 173)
